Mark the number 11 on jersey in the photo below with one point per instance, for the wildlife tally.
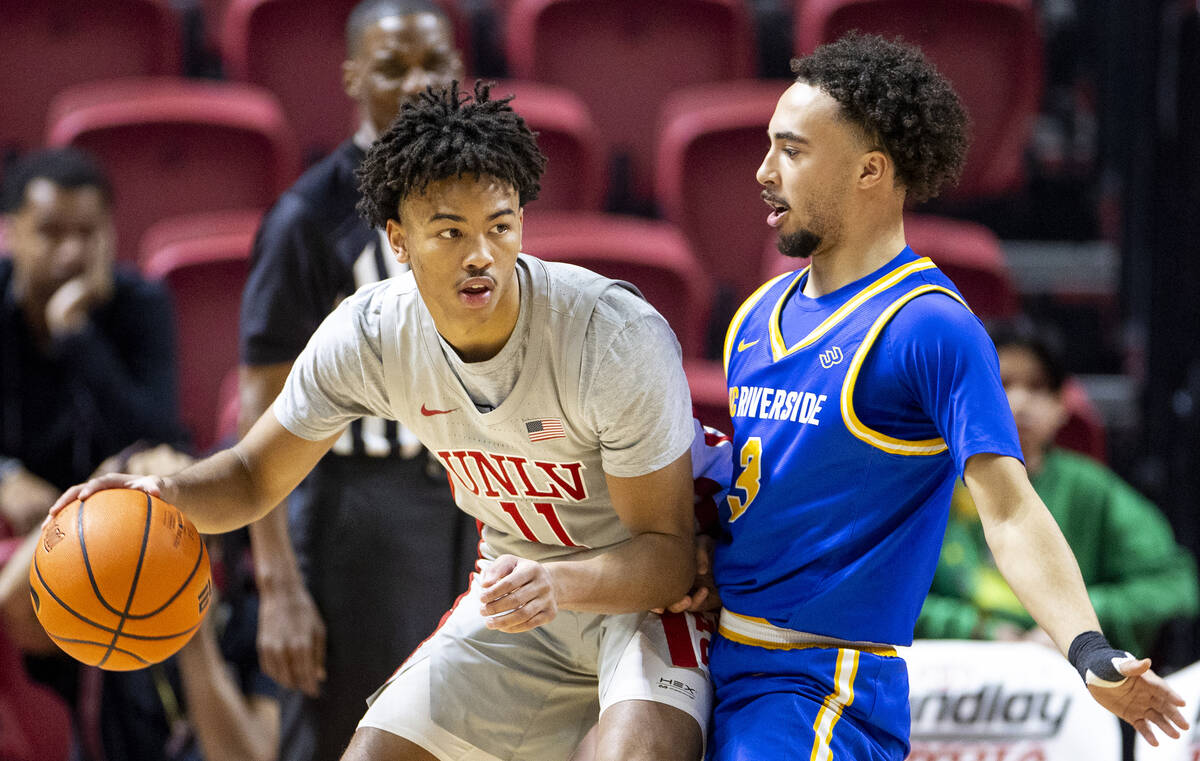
(547, 511)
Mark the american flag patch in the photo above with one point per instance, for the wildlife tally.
(545, 429)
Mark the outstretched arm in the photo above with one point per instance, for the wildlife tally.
(1038, 564)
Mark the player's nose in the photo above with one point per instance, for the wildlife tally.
(479, 256)
(766, 174)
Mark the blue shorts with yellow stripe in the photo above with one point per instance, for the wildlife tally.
(807, 702)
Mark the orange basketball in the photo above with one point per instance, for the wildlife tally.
(120, 580)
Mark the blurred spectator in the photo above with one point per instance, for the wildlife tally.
(86, 351)
(1138, 578)
(375, 507)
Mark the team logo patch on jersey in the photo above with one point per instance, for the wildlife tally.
(545, 429)
(831, 357)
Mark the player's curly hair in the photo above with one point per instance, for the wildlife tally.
(448, 134)
(890, 91)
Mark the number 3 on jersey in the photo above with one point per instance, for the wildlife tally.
(747, 480)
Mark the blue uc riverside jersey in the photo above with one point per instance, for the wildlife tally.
(833, 526)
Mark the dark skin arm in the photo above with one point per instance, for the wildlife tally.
(291, 633)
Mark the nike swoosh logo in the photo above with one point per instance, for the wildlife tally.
(742, 345)
(430, 413)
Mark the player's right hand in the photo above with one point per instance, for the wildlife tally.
(152, 485)
(291, 637)
(517, 595)
(1143, 700)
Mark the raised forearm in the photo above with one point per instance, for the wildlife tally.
(275, 563)
(230, 726)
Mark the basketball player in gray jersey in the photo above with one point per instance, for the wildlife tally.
(557, 402)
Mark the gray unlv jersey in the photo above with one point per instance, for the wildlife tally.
(532, 470)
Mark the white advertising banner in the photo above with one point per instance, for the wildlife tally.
(1187, 684)
(999, 701)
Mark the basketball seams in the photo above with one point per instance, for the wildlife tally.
(107, 551)
(102, 627)
(63, 604)
(175, 595)
(87, 562)
(108, 648)
(137, 572)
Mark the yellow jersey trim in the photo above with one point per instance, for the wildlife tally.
(779, 349)
(850, 418)
(736, 322)
(833, 705)
(759, 632)
(880, 650)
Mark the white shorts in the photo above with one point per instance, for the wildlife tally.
(470, 693)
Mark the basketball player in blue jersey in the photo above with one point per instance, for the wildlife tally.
(860, 388)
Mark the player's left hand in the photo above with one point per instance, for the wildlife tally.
(1143, 699)
(517, 595)
(703, 596)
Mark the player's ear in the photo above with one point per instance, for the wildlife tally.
(395, 236)
(873, 166)
(351, 81)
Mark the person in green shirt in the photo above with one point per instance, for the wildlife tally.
(1138, 578)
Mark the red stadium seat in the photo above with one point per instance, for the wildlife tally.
(52, 44)
(990, 49)
(968, 253)
(711, 141)
(566, 133)
(36, 721)
(203, 260)
(1084, 430)
(174, 146)
(623, 56)
(295, 49)
(652, 255)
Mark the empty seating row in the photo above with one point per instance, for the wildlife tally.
(176, 146)
(621, 58)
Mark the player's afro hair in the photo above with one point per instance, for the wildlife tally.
(900, 101)
(448, 134)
